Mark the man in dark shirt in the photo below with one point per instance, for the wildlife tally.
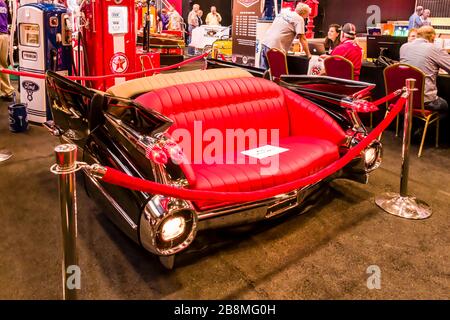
(6, 90)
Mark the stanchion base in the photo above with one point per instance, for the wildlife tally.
(405, 207)
(5, 155)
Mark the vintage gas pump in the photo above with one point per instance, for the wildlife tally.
(109, 41)
(44, 44)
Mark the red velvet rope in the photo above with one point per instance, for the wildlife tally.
(109, 76)
(387, 98)
(121, 179)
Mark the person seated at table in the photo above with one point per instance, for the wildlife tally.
(424, 55)
(349, 49)
(334, 37)
(281, 34)
(412, 34)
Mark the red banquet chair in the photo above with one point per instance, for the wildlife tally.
(394, 78)
(339, 67)
(277, 63)
(146, 64)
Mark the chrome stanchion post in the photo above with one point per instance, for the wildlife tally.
(407, 125)
(401, 204)
(66, 167)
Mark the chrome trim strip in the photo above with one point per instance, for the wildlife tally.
(142, 143)
(252, 205)
(111, 200)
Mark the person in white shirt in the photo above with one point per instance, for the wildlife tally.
(285, 28)
(174, 19)
(425, 18)
(193, 22)
(213, 18)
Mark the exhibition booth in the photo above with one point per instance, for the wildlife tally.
(181, 132)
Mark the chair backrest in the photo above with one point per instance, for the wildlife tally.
(339, 67)
(277, 63)
(146, 64)
(395, 78)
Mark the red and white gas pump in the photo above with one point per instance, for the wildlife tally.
(109, 41)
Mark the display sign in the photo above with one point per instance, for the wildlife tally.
(245, 15)
(264, 152)
(29, 34)
(30, 56)
(117, 20)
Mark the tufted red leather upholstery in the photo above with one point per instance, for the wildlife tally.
(311, 136)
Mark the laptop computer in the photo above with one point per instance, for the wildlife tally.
(316, 48)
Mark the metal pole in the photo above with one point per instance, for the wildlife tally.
(66, 166)
(410, 85)
(400, 204)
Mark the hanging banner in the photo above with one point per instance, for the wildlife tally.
(245, 15)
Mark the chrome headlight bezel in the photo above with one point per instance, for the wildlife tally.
(158, 211)
(372, 156)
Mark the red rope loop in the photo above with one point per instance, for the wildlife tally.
(109, 76)
(116, 177)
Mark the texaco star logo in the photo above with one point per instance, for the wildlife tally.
(119, 63)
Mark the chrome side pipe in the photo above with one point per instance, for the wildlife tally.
(400, 204)
(66, 167)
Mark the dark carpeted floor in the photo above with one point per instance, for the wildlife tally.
(323, 254)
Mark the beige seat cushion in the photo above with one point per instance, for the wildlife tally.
(133, 88)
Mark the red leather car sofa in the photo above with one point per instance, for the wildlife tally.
(310, 135)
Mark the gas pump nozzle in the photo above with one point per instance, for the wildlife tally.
(54, 59)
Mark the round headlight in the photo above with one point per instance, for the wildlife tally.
(370, 156)
(173, 228)
(168, 225)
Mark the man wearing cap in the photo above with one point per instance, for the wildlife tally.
(414, 20)
(349, 49)
(285, 28)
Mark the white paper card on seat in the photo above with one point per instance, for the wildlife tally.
(264, 151)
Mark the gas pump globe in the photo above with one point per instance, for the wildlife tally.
(314, 5)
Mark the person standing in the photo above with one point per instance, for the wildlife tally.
(193, 22)
(213, 18)
(425, 18)
(174, 19)
(6, 89)
(414, 19)
(285, 28)
(199, 17)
